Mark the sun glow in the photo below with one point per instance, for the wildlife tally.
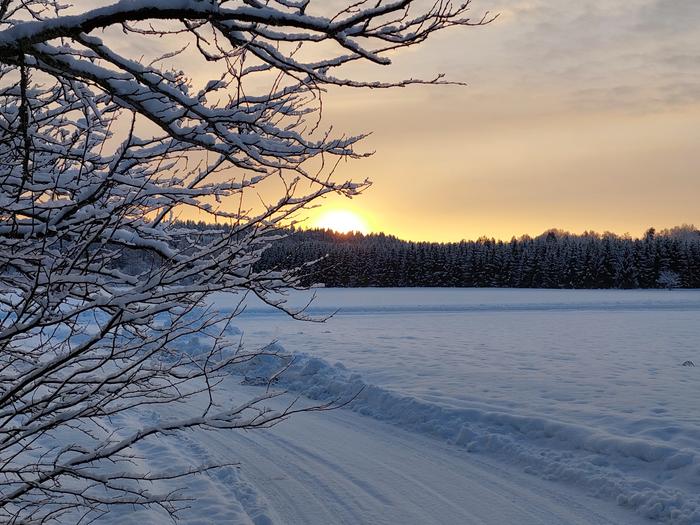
(341, 221)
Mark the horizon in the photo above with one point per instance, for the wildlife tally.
(671, 230)
(666, 230)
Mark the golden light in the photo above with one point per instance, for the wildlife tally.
(341, 221)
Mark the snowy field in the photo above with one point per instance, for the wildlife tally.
(488, 407)
(582, 388)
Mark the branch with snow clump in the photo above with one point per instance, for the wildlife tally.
(102, 289)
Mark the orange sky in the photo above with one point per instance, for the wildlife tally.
(578, 115)
(604, 170)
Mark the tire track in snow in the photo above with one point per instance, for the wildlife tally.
(341, 467)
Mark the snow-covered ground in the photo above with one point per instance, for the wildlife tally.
(474, 406)
(340, 467)
(580, 387)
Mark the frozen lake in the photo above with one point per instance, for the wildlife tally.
(579, 353)
(582, 385)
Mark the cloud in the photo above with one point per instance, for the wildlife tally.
(669, 17)
(607, 52)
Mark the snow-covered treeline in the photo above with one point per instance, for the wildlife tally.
(555, 259)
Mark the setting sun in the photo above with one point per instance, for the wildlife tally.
(341, 221)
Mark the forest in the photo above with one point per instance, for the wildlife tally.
(556, 259)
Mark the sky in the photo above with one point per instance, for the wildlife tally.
(577, 115)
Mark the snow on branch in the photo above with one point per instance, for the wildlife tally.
(104, 291)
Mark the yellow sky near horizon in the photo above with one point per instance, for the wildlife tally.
(620, 172)
(578, 116)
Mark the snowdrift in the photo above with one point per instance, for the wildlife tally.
(657, 480)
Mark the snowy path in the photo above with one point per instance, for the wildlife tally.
(340, 467)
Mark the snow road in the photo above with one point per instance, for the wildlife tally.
(339, 467)
(344, 468)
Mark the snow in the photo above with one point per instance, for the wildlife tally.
(465, 406)
(341, 467)
(584, 387)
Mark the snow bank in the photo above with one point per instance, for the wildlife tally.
(654, 479)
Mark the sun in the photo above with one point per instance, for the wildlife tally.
(341, 221)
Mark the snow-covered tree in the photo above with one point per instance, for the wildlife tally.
(669, 279)
(101, 147)
(561, 260)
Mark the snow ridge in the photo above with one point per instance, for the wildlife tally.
(657, 480)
